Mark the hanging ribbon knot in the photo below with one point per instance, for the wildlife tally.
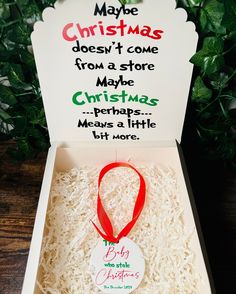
(102, 215)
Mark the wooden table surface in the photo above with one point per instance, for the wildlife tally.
(20, 185)
(215, 194)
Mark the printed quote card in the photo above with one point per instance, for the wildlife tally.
(114, 73)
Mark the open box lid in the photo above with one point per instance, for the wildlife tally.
(114, 73)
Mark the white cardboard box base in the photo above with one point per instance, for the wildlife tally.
(65, 158)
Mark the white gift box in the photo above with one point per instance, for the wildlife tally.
(132, 105)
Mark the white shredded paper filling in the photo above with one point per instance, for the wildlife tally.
(70, 237)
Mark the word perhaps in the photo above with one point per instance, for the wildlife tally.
(117, 111)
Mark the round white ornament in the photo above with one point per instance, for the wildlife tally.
(117, 267)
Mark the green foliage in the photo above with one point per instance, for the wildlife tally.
(213, 91)
(21, 110)
(210, 58)
(200, 91)
(124, 2)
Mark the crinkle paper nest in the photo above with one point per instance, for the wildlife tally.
(160, 232)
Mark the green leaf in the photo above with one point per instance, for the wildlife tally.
(7, 96)
(46, 3)
(213, 45)
(132, 1)
(20, 125)
(24, 147)
(213, 64)
(22, 2)
(231, 36)
(220, 81)
(200, 92)
(23, 150)
(210, 57)
(37, 117)
(4, 11)
(4, 54)
(19, 33)
(27, 58)
(31, 13)
(203, 20)
(214, 12)
(9, 45)
(16, 76)
(229, 19)
(189, 3)
(38, 138)
(4, 115)
(194, 2)
(4, 68)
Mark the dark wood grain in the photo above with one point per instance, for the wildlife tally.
(19, 191)
(215, 193)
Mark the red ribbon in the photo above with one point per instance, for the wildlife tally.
(102, 215)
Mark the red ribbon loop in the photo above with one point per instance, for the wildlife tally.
(102, 215)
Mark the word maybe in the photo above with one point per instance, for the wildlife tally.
(111, 10)
(115, 83)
